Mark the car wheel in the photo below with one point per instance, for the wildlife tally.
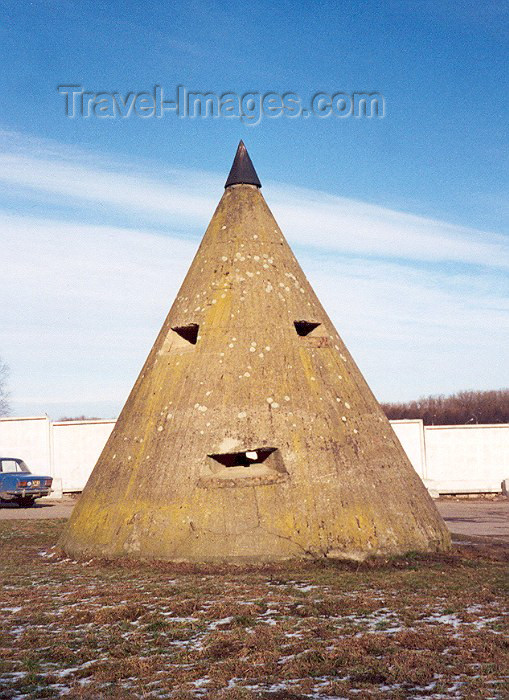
(26, 502)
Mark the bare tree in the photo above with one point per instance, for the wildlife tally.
(462, 408)
(71, 418)
(4, 394)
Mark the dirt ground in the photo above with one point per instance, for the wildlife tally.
(431, 626)
(44, 509)
(481, 518)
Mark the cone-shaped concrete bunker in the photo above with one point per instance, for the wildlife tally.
(250, 433)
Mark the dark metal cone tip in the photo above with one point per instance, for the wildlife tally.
(242, 171)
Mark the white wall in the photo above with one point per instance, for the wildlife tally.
(411, 436)
(76, 448)
(467, 458)
(32, 437)
(449, 459)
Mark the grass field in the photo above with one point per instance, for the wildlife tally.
(433, 627)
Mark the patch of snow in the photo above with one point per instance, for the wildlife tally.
(219, 623)
(67, 671)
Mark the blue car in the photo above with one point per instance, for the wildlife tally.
(18, 485)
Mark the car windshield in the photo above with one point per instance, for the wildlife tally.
(13, 465)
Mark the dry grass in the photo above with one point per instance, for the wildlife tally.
(406, 628)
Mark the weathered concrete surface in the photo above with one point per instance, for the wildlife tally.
(229, 374)
(475, 518)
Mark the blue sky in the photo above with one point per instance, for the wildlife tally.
(400, 223)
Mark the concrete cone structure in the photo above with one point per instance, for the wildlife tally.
(250, 433)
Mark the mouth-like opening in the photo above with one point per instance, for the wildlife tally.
(260, 465)
(243, 459)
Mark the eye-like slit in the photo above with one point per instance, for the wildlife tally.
(189, 332)
(304, 328)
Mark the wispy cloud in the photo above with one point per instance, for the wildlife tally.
(81, 302)
(308, 217)
(140, 194)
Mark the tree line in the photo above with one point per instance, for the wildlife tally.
(462, 408)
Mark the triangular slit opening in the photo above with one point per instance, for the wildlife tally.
(189, 332)
(304, 328)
